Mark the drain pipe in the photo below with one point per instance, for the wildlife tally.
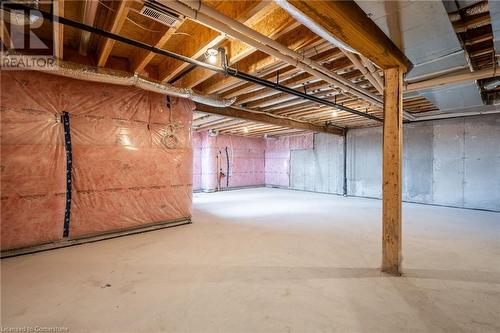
(368, 64)
(215, 20)
(104, 75)
(357, 63)
(228, 71)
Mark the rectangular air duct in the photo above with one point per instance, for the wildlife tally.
(159, 13)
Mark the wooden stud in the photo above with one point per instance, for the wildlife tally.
(391, 171)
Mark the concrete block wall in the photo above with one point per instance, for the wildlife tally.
(453, 162)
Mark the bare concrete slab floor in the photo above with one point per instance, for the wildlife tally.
(269, 260)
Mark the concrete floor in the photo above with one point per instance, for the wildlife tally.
(269, 260)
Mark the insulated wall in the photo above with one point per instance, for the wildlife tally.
(320, 169)
(278, 151)
(197, 166)
(132, 158)
(453, 162)
(244, 155)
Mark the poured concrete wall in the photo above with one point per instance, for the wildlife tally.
(453, 162)
(320, 169)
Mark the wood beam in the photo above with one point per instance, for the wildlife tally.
(275, 24)
(391, 170)
(346, 21)
(266, 118)
(107, 44)
(58, 31)
(202, 38)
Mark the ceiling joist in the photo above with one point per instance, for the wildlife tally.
(267, 118)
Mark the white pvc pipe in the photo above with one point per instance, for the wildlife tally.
(215, 20)
(357, 63)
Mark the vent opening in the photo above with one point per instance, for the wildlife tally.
(159, 13)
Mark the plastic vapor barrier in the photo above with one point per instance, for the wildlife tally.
(278, 157)
(246, 158)
(131, 158)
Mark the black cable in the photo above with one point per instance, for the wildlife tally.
(227, 70)
(227, 160)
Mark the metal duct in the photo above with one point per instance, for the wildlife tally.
(104, 75)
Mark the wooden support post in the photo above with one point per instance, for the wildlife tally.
(391, 173)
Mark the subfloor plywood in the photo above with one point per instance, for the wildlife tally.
(269, 260)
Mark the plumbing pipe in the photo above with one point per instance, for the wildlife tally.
(368, 64)
(357, 63)
(215, 20)
(227, 71)
(104, 75)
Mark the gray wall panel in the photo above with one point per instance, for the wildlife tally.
(452, 162)
(364, 167)
(319, 169)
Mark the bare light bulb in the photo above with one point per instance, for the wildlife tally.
(211, 55)
(334, 114)
(212, 59)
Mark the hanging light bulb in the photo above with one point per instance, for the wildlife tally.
(211, 55)
(334, 113)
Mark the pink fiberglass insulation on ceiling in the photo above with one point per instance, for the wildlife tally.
(131, 158)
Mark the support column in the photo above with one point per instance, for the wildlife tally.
(392, 170)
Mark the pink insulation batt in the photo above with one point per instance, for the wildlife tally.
(246, 160)
(132, 158)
